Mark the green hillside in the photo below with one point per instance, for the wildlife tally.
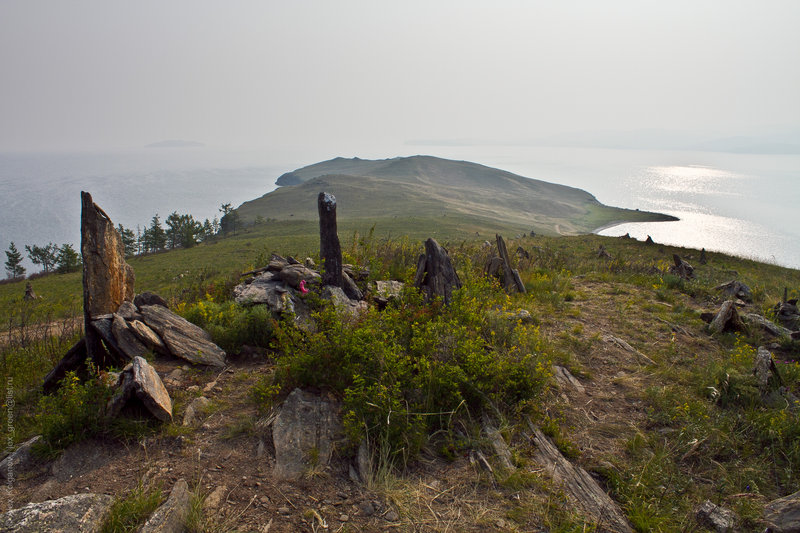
(469, 194)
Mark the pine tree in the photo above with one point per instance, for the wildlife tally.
(67, 259)
(156, 237)
(14, 267)
(128, 240)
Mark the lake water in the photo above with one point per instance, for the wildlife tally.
(738, 204)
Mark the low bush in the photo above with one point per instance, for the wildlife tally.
(409, 370)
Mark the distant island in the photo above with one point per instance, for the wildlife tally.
(175, 143)
(425, 193)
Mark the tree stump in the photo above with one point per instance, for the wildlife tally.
(511, 279)
(435, 273)
(681, 268)
(29, 294)
(727, 319)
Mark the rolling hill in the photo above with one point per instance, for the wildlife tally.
(457, 196)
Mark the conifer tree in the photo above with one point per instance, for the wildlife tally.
(14, 267)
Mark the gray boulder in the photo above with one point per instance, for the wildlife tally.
(341, 302)
(304, 433)
(766, 325)
(292, 275)
(736, 289)
(182, 338)
(150, 390)
(149, 298)
(78, 513)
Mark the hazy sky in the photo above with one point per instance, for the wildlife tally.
(112, 74)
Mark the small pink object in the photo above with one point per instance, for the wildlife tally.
(303, 287)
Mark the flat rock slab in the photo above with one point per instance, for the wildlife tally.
(171, 516)
(150, 390)
(304, 434)
(128, 343)
(149, 337)
(182, 338)
(78, 513)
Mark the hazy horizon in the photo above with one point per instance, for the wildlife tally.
(355, 76)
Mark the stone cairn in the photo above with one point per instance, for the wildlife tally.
(120, 327)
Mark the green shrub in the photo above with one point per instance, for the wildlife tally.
(73, 413)
(231, 325)
(407, 371)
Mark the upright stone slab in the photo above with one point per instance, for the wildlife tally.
(329, 248)
(107, 278)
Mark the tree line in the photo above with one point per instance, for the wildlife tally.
(177, 231)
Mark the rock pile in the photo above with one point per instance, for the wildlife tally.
(284, 282)
(134, 330)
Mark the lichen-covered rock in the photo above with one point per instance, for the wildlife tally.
(304, 434)
(720, 519)
(149, 337)
(78, 513)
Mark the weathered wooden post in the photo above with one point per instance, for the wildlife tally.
(329, 248)
(435, 273)
(511, 278)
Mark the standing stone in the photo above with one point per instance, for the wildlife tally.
(107, 278)
(435, 273)
(329, 248)
(727, 319)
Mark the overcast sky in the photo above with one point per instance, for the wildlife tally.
(113, 74)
